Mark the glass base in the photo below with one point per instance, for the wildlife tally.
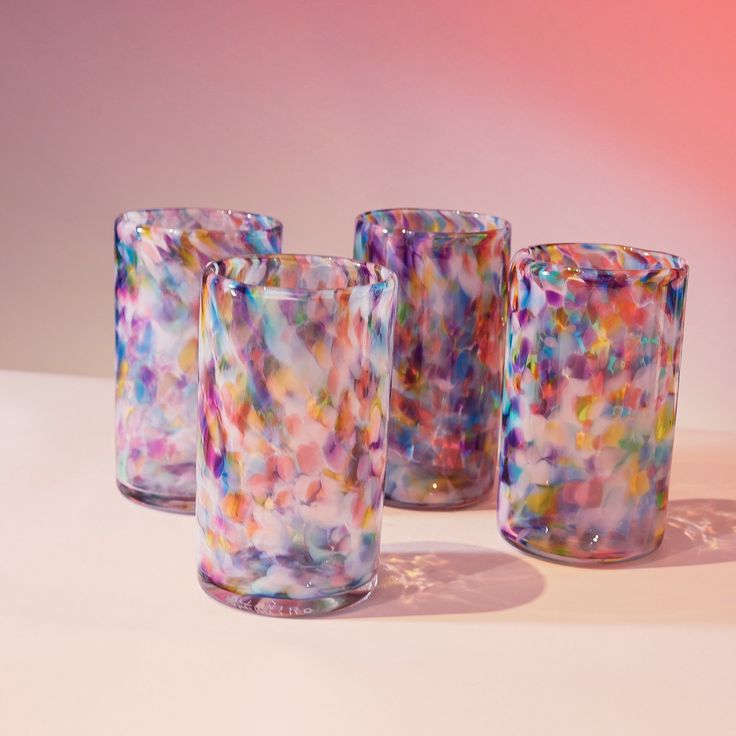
(287, 607)
(441, 506)
(172, 504)
(591, 561)
(413, 485)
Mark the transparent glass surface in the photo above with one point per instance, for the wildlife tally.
(294, 365)
(447, 376)
(592, 369)
(159, 257)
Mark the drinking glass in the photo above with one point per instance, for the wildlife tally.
(159, 257)
(592, 369)
(294, 377)
(446, 393)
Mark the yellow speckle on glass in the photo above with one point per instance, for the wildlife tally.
(555, 432)
(639, 483)
(539, 502)
(665, 421)
(601, 344)
(582, 407)
(122, 375)
(188, 355)
(614, 434)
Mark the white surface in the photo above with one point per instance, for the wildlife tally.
(104, 629)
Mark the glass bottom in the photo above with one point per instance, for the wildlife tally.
(589, 561)
(411, 485)
(287, 607)
(443, 505)
(172, 504)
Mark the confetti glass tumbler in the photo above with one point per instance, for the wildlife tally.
(294, 378)
(159, 257)
(592, 368)
(447, 379)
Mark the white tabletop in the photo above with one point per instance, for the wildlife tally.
(105, 630)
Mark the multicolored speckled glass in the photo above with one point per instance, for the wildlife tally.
(592, 368)
(294, 378)
(446, 394)
(159, 257)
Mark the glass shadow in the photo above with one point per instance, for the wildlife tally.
(699, 531)
(432, 578)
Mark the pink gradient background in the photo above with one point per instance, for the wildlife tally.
(574, 120)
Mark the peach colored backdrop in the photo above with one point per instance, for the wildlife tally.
(575, 120)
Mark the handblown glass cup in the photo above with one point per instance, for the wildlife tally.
(159, 257)
(294, 380)
(447, 371)
(592, 369)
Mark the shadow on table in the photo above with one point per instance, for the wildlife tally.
(429, 578)
(699, 531)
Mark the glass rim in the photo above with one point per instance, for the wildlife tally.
(679, 264)
(500, 224)
(386, 278)
(265, 223)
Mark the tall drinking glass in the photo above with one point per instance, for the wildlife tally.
(592, 371)
(294, 376)
(446, 393)
(159, 257)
